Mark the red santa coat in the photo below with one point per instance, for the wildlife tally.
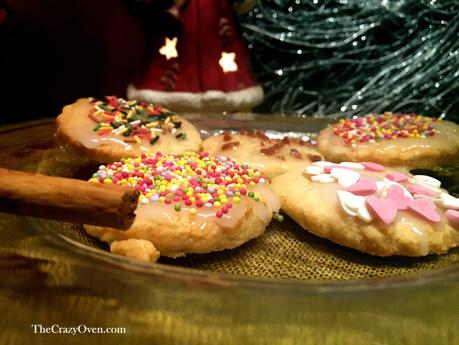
(198, 78)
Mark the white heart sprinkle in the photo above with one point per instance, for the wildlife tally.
(354, 205)
(364, 214)
(322, 164)
(356, 202)
(346, 177)
(449, 201)
(352, 165)
(313, 170)
(427, 181)
(344, 197)
(323, 178)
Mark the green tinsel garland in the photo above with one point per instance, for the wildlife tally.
(355, 57)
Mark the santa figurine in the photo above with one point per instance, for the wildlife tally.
(199, 60)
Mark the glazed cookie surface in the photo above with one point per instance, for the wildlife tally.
(398, 140)
(371, 208)
(111, 128)
(192, 203)
(271, 156)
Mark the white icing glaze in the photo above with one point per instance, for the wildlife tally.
(418, 228)
(163, 213)
(79, 126)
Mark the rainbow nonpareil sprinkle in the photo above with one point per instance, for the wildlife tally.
(133, 120)
(190, 180)
(387, 126)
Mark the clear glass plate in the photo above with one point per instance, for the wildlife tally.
(340, 291)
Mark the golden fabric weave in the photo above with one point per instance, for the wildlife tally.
(289, 252)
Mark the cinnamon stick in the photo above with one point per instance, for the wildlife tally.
(67, 199)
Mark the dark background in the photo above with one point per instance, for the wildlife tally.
(53, 52)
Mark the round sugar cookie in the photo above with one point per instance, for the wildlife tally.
(371, 208)
(398, 140)
(191, 203)
(110, 128)
(271, 156)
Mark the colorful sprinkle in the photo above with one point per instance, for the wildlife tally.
(370, 128)
(191, 180)
(397, 177)
(420, 189)
(279, 217)
(364, 186)
(372, 166)
(133, 120)
(384, 209)
(425, 208)
(367, 197)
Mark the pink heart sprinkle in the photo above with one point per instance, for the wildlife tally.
(453, 217)
(418, 189)
(328, 168)
(384, 209)
(397, 177)
(425, 208)
(395, 193)
(372, 166)
(364, 186)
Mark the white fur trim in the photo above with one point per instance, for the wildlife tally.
(209, 101)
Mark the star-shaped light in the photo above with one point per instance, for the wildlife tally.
(227, 62)
(168, 49)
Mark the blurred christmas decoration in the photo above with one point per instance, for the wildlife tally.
(199, 60)
(356, 56)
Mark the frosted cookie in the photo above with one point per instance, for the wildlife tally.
(193, 203)
(271, 156)
(371, 208)
(108, 129)
(403, 140)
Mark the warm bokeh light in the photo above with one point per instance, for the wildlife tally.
(227, 62)
(169, 48)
